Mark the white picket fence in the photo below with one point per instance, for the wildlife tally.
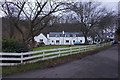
(11, 59)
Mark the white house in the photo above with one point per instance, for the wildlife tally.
(106, 36)
(41, 38)
(61, 38)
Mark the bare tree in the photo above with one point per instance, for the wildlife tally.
(38, 14)
(88, 14)
(13, 15)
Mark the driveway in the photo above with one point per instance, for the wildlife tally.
(101, 65)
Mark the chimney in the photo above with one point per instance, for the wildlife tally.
(47, 35)
(63, 32)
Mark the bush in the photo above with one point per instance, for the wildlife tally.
(40, 44)
(10, 45)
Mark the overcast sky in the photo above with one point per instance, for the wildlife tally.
(109, 4)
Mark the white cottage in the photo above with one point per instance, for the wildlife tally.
(41, 38)
(61, 38)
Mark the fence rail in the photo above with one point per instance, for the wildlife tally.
(10, 59)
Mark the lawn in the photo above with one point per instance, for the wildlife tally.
(50, 47)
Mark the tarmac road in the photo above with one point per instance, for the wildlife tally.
(101, 65)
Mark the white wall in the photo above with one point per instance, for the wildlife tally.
(41, 36)
(62, 40)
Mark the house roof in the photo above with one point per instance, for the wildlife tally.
(65, 33)
(61, 34)
(67, 27)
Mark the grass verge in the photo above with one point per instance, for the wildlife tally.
(50, 47)
(47, 63)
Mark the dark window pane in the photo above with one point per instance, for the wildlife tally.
(73, 40)
(57, 41)
(41, 40)
(80, 40)
(67, 41)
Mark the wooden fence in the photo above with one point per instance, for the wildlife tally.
(11, 59)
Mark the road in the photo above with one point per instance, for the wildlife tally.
(101, 65)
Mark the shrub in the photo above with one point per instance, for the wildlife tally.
(10, 45)
(40, 44)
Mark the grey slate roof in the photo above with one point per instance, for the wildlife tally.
(70, 34)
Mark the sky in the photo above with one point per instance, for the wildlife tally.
(109, 4)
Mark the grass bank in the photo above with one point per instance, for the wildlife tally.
(47, 63)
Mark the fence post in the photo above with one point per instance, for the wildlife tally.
(21, 57)
(86, 48)
(70, 50)
(59, 53)
(105, 45)
(83, 49)
(100, 45)
(90, 47)
(79, 49)
(43, 55)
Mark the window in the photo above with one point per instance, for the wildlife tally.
(74, 35)
(73, 41)
(52, 41)
(57, 35)
(98, 40)
(111, 36)
(67, 35)
(95, 40)
(71, 35)
(41, 40)
(67, 41)
(80, 40)
(57, 41)
(62, 35)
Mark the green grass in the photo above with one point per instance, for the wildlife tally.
(50, 47)
(47, 63)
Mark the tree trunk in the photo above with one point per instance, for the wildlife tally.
(86, 41)
(33, 43)
(11, 29)
(11, 32)
(32, 35)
